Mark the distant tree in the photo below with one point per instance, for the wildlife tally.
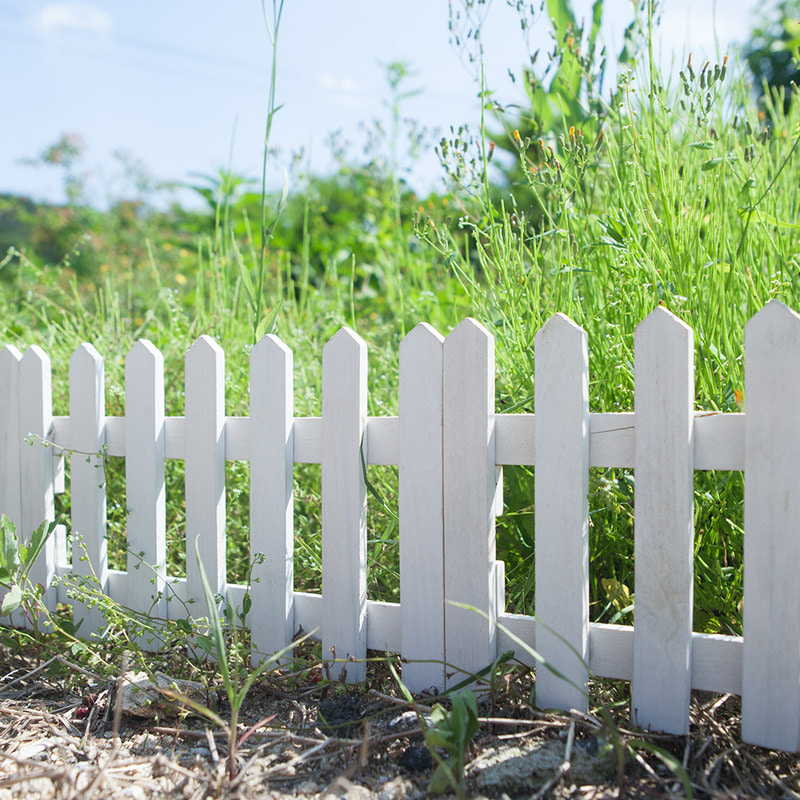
(773, 48)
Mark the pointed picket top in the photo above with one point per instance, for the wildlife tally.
(9, 353)
(347, 348)
(660, 319)
(272, 346)
(205, 367)
(776, 317)
(10, 360)
(144, 352)
(469, 363)
(35, 381)
(85, 354)
(771, 616)
(86, 373)
(559, 325)
(344, 341)
(422, 333)
(469, 330)
(204, 345)
(34, 359)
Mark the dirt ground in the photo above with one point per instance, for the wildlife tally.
(58, 741)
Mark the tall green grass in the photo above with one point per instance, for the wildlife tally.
(679, 191)
(672, 189)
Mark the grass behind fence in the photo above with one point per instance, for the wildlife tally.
(679, 191)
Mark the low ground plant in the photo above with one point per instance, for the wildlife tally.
(237, 680)
(16, 561)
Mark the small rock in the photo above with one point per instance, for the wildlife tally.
(398, 789)
(31, 750)
(346, 790)
(142, 697)
(41, 787)
(144, 742)
(407, 719)
(515, 770)
(133, 793)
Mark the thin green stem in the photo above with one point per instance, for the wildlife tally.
(272, 109)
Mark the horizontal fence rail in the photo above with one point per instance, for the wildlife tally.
(450, 447)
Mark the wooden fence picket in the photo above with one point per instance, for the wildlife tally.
(472, 491)
(344, 503)
(87, 478)
(37, 462)
(421, 508)
(145, 443)
(771, 659)
(10, 437)
(664, 523)
(271, 619)
(205, 469)
(562, 513)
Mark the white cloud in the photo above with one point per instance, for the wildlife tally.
(343, 91)
(339, 85)
(57, 17)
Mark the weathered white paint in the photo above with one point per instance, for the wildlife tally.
(87, 478)
(664, 523)
(421, 508)
(562, 513)
(204, 437)
(37, 461)
(10, 437)
(771, 624)
(144, 479)
(344, 504)
(718, 439)
(271, 619)
(471, 481)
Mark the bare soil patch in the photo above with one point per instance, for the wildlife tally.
(58, 740)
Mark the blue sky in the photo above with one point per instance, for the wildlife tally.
(180, 84)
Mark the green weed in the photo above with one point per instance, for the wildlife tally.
(236, 681)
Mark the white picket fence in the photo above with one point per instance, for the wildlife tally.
(450, 447)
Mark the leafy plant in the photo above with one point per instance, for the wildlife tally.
(449, 730)
(235, 683)
(16, 562)
(452, 731)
